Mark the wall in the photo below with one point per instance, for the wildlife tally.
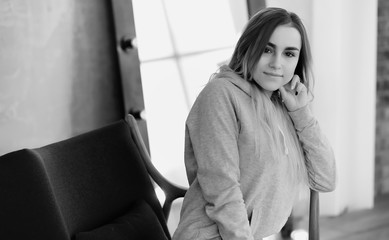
(382, 130)
(58, 71)
(344, 46)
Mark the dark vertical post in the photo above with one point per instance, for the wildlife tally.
(314, 216)
(129, 63)
(254, 5)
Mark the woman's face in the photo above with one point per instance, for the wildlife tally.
(278, 62)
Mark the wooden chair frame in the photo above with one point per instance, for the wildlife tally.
(173, 191)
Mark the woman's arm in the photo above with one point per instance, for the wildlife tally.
(213, 130)
(319, 157)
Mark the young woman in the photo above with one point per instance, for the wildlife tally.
(251, 140)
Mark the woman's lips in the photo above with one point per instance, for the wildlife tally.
(273, 74)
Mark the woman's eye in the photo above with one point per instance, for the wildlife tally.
(290, 54)
(267, 50)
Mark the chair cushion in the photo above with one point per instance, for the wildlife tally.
(140, 222)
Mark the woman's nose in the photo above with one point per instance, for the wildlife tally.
(275, 62)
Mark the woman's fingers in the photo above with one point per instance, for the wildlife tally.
(294, 98)
(295, 81)
(300, 88)
(284, 94)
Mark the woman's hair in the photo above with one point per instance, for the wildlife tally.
(256, 36)
(273, 115)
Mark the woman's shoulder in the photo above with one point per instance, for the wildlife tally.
(224, 88)
(218, 85)
(218, 91)
(229, 84)
(218, 96)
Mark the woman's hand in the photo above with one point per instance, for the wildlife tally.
(294, 94)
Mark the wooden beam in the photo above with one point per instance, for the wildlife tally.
(254, 5)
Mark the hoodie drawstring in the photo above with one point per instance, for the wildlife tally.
(286, 150)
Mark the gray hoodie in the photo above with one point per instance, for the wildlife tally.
(238, 189)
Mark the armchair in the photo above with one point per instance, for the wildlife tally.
(93, 186)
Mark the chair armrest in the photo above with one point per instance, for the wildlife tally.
(171, 190)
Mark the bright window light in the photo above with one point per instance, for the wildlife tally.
(160, 195)
(180, 44)
(299, 234)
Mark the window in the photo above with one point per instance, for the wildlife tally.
(181, 43)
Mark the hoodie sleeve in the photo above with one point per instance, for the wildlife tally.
(213, 129)
(319, 157)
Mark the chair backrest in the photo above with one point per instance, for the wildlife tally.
(73, 185)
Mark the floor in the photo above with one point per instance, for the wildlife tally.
(360, 225)
(370, 224)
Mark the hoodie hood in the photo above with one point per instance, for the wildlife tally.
(239, 82)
